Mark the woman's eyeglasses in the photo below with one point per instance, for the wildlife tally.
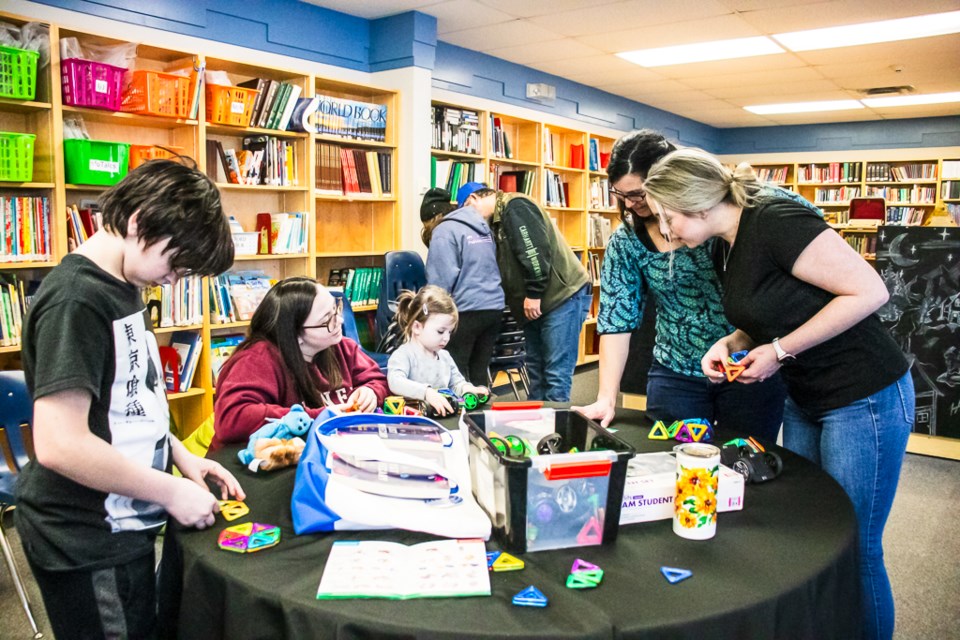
(636, 196)
(333, 321)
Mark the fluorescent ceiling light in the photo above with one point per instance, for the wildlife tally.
(702, 52)
(936, 24)
(805, 107)
(904, 101)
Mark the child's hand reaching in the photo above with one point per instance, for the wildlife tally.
(480, 391)
(438, 402)
(364, 398)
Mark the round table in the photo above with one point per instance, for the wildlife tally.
(783, 567)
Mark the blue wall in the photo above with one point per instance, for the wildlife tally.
(302, 30)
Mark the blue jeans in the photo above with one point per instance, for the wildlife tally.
(862, 445)
(751, 409)
(553, 341)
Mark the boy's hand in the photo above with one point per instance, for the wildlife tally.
(364, 398)
(601, 410)
(191, 505)
(438, 402)
(200, 470)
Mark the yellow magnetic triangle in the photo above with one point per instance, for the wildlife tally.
(233, 509)
(506, 562)
(658, 432)
(696, 430)
(244, 529)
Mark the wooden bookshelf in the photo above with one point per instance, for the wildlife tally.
(343, 230)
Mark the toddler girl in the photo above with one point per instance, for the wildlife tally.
(421, 366)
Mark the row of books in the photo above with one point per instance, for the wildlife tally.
(593, 266)
(598, 159)
(915, 194)
(835, 194)
(341, 117)
(342, 171)
(361, 284)
(455, 129)
(282, 233)
(954, 211)
(863, 244)
(832, 172)
(186, 345)
(235, 295)
(175, 305)
(25, 228)
(907, 216)
(553, 150)
(510, 181)
(951, 169)
(453, 174)
(274, 104)
(776, 175)
(950, 189)
(81, 224)
(884, 171)
(599, 229)
(499, 141)
(261, 160)
(556, 190)
(600, 197)
(13, 307)
(221, 348)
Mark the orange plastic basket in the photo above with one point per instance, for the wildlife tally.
(230, 105)
(140, 153)
(157, 94)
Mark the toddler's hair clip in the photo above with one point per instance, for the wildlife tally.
(426, 311)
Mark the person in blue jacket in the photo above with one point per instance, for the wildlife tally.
(462, 259)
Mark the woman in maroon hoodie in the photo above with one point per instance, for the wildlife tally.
(295, 354)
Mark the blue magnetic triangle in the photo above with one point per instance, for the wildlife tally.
(491, 558)
(530, 597)
(673, 575)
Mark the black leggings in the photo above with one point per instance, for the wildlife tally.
(471, 345)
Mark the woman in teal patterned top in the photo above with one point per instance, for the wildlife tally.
(690, 317)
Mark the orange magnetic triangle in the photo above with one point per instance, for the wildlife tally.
(733, 370)
(658, 432)
(506, 562)
(233, 509)
(696, 430)
(591, 533)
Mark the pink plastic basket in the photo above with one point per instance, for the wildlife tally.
(91, 84)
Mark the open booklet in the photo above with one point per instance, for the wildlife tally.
(378, 569)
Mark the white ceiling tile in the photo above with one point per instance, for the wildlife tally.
(627, 14)
(854, 115)
(924, 111)
(579, 68)
(556, 50)
(499, 36)
(754, 5)
(649, 88)
(374, 8)
(808, 96)
(780, 92)
(718, 28)
(531, 8)
(760, 78)
(942, 50)
(731, 69)
(818, 15)
(457, 15)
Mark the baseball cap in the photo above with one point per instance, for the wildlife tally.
(467, 190)
(435, 202)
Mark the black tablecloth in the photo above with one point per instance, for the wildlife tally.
(784, 567)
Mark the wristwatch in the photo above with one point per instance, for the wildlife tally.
(782, 356)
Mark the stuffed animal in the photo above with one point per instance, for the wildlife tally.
(287, 428)
(274, 453)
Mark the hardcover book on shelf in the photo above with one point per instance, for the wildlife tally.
(187, 344)
(379, 569)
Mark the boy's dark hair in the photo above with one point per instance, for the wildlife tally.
(636, 152)
(279, 320)
(176, 201)
(484, 192)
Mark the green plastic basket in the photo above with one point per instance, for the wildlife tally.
(18, 73)
(95, 161)
(16, 157)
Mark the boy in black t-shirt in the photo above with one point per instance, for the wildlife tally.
(91, 504)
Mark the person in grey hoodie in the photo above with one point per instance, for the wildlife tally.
(462, 259)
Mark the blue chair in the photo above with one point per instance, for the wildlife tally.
(16, 442)
(401, 270)
(350, 331)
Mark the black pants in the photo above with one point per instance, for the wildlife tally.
(115, 602)
(471, 345)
